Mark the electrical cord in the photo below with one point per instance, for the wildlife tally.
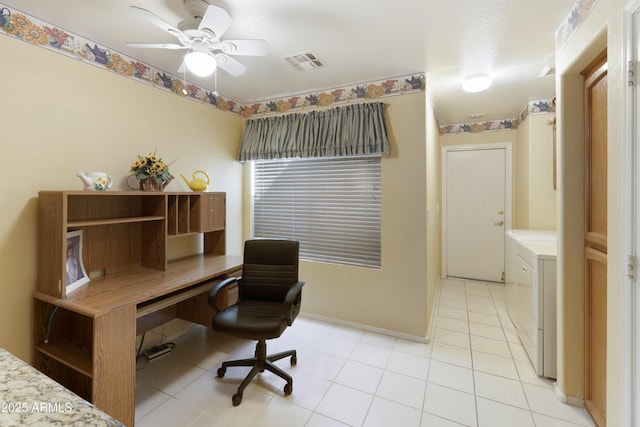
(46, 339)
(140, 348)
(138, 352)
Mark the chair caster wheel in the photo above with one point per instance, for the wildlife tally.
(221, 372)
(288, 388)
(236, 399)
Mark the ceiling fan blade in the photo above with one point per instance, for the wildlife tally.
(245, 47)
(157, 45)
(230, 65)
(157, 21)
(215, 19)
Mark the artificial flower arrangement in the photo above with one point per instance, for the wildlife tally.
(151, 169)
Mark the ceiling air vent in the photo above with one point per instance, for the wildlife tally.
(304, 61)
(547, 71)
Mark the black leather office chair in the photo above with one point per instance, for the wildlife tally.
(269, 297)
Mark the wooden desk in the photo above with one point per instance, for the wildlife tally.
(91, 345)
(86, 339)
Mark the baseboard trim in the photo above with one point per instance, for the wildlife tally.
(426, 339)
(434, 310)
(364, 327)
(564, 398)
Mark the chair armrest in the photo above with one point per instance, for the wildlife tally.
(293, 292)
(292, 301)
(221, 286)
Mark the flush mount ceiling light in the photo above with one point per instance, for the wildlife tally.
(200, 62)
(476, 83)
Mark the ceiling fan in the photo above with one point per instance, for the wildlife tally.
(201, 35)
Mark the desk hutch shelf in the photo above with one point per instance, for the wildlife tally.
(86, 339)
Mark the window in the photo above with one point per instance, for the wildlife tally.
(331, 205)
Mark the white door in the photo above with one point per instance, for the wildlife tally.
(476, 212)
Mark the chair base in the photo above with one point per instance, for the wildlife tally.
(259, 363)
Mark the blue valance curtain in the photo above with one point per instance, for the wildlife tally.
(357, 129)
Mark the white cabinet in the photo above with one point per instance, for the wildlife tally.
(531, 290)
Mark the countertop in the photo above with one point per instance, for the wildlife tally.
(546, 250)
(30, 398)
(540, 243)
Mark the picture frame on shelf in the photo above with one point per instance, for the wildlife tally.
(76, 274)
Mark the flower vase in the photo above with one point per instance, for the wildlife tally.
(150, 184)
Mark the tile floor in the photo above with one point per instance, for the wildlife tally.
(473, 373)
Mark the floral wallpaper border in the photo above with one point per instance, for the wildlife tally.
(360, 92)
(533, 107)
(32, 30)
(576, 17)
(537, 107)
(16, 24)
(478, 127)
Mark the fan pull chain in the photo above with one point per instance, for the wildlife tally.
(184, 81)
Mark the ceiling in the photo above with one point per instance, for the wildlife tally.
(359, 41)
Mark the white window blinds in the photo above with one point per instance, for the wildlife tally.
(331, 205)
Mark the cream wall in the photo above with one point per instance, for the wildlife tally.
(434, 212)
(535, 197)
(398, 297)
(602, 29)
(522, 172)
(394, 297)
(61, 116)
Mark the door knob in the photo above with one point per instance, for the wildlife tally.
(501, 222)
(500, 212)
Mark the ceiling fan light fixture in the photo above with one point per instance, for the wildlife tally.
(476, 83)
(200, 63)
